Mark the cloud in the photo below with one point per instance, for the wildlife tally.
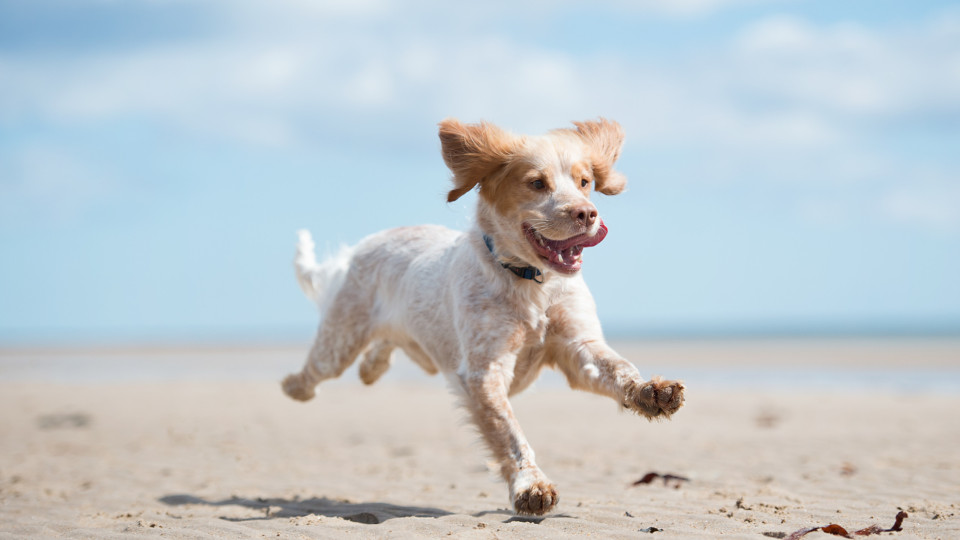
(782, 86)
(932, 205)
(850, 70)
(688, 8)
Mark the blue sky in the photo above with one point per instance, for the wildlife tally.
(793, 165)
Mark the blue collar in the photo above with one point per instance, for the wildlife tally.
(526, 272)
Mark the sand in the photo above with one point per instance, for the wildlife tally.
(779, 436)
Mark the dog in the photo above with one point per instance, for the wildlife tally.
(491, 307)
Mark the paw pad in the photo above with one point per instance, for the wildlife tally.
(536, 500)
(655, 398)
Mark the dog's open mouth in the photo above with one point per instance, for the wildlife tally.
(564, 256)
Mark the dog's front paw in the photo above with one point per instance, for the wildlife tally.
(536, 499)
(655, 398)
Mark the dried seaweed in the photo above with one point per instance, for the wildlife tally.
(837, 530)
(64, 421)
(848, 469)
(667, 479)
(767, 420)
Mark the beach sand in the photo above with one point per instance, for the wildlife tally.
(105, 444)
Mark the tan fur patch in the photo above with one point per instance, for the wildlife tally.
(605, 139)
(473, 152)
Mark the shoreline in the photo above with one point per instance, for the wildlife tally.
(851, 365)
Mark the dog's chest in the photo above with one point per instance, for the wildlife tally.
(533, 315)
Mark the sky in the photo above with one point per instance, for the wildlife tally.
(793, 166)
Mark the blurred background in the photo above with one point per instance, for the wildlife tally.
(794, 166)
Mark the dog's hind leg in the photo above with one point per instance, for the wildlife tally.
(376, 362)
(420, 358)
(346, 330)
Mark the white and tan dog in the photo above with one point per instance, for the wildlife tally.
(488, 308)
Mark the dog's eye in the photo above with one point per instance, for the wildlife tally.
(584, 182)
(538, 184)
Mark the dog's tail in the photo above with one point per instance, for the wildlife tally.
(319, 281)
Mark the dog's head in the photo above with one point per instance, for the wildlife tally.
(535, 191)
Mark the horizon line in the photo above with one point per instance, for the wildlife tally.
(261, 337)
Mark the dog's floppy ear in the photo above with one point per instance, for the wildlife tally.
(605, 139)
(473, 152)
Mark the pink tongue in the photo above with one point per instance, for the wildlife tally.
(597, 238)
(580, 241)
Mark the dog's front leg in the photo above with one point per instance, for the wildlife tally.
(575, 344)
(594, 366)
(485, 385)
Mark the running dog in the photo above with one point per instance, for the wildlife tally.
(490, 307)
